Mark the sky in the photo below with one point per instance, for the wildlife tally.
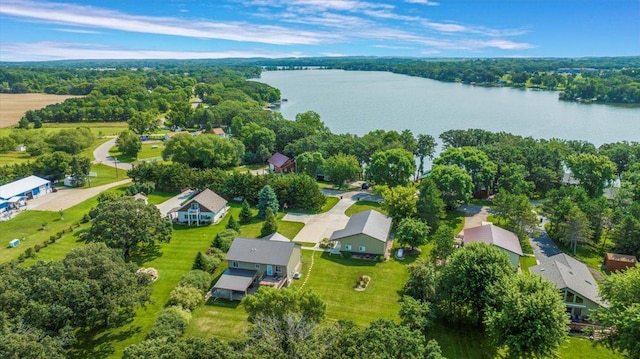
(191, 29)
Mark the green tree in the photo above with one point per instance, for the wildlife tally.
(399, 202)
(622, 292)
(516, 210)
(71, 140)
(472, 280)
(340, 168)
(412, 232)
(144, 122)
(128, 225)
(52, 165)
(576, 229)
(426, 147)
(593, 172)
(416, 314)
(24, 123)
(310, 163)
(270, 225)
(454, 183)
(390, 340)
(481, 169)
(129, 143)
(530, 319)
(443, 244)
(267, 199)
(245, 212)
(79, 170)
(422, 281)
(430, 206)
(392, 167)
(627, 235)
(233, 224)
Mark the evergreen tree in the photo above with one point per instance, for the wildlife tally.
(430, 204)
(245, 213)
(270, 225)
(267, 199)
(233, 224)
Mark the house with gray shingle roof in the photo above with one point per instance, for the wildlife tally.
(270, 261)
(206, 207)
(502, 239)
(578, 287)
(366, 233)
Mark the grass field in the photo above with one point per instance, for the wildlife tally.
(13, 106)
(526, 263)
(148, 150)
(361, 206)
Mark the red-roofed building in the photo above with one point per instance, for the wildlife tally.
(495, 236)
(280, 163)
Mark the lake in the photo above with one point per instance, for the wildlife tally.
(361, 101)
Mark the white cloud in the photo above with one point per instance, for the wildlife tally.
(44, 51)
(87, 16)
(451, 27)
(77, 31)
(423, 2)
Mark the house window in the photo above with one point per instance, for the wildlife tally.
(362, 249)
(570, 297)
(579, 299)
(234, 264)
(257, 266)
(195, 206)
(278, 269)
(347, 247)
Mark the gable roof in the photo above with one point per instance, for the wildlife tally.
(567, 272)
(278, 159)
(218, 131)
(211, 201)
(20, 186)
(621, 258)
(260, 251)
(490, 234)
(372, 223)
(276, 237)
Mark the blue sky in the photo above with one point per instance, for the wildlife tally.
(181, 29)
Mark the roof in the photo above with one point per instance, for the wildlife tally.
(278, 159)
(567, 272)
(260, 251)
(140, 196)
(211, 201)
(569, 179)
(20, 186)
(490, 234)
(621, 258)
(235, 279)
(218, 131)
(372, 223)
(276, 237)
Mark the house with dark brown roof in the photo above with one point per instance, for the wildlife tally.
(206, 207)
(280, 163)
(502, 239)
(614, 262)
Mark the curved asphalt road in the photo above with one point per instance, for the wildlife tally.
(101, 155)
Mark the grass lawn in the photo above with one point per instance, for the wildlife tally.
(148, 150)
(157, 197)
(591, 255)
(526, 263)
(14, 157)
(286, 228)
(245, 168)
(330, 202)
(582, 348)
(362, 206)
(106, 174)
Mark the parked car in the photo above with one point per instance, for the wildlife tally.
(365, 185)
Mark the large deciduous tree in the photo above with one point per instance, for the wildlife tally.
(593, 172)
(426, 146)
(622, 292)
(310, 163)
(530, 319)
(392, 167)
(472, 280)
(144, 122)
(399, 202)
(454, 183)
(128, 225)
(481, 169)
(129, 143)
(341, 168)
(412, 232)
(516, 210)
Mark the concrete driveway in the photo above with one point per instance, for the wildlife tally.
(101, 155)
(174, 202)
(543, 246)
(68, 197)
(319, 226)
(474, 215)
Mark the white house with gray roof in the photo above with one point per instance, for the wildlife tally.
(270, 261)
(366, 233)
(578, 287)
(205, 208)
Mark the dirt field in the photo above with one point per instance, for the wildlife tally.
(13, 106)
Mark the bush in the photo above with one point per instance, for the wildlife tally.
(45, 244)
(170, 324)
(185, 297)
(223, 239)
(52, 239)
(197, 279)
(29, 253)
(206, 262)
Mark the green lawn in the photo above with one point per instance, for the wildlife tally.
(330, 202)
(362, 206)
(14, 157)
(286, 228)
(106, 174)
(582, 348)
(526, 263)
(148, 150)
(157, 197)
(245, 168)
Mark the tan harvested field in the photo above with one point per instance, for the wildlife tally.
(13, 106)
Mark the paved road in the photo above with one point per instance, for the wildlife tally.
(319, 226)
(101, 155)
(69, 197)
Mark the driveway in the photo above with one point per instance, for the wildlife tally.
(101, 155)
(174, 202)
(543, 246)
(68, 197)
(474, 215)
(319, 226)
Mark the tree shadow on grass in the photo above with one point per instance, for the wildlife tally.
(338, 259)
(220, 302)
(98, 343)
(147, 254)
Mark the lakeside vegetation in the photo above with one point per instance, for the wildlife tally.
(474, 162)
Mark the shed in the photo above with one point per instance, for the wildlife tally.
(29, 187)
(619, 262)
(14, 243)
